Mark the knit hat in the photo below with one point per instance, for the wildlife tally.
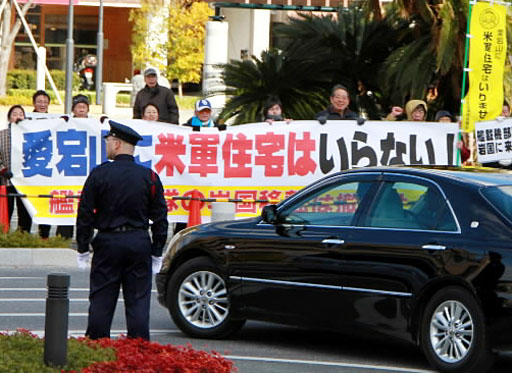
(444, 113)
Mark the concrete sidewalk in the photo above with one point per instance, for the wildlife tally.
(21, 257)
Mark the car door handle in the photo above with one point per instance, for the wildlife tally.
(333, 241)
(433, 247)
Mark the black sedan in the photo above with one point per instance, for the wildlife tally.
(420, 254)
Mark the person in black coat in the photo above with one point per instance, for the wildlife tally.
(119, 199)
(338, 109)
(162, 97)
(273, 111)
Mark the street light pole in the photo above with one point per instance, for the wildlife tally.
(70, 45)
(99, 52)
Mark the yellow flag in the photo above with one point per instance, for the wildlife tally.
(487, 52)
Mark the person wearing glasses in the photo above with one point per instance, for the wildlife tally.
(338, 109)
(14, 116)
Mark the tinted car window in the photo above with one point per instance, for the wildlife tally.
(410, 206)
(335, 205)
(501, 198)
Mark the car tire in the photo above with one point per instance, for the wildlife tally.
(453, 332)
(198, 300)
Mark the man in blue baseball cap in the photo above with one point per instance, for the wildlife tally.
(119, 199)
(203, 115)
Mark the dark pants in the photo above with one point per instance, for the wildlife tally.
(24, 219)
(120, 259)
(44, 230)
(66, 231)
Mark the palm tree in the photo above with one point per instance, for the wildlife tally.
(321, 52)
(251, 82)
(416, 50)
(433, 58)
(355, 44)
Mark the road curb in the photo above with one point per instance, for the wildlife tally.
(37, 257)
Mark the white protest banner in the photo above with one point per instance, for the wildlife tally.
(494, 140)
(252, 162)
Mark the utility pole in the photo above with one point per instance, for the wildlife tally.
(70, 46)
(99, 52)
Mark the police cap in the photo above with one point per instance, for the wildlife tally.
(123, 132)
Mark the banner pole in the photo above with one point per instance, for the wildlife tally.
(466, 57)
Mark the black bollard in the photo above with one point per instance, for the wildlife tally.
(56, 320)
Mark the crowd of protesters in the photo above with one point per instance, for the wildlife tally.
(154, 102)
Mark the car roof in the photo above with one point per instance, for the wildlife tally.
(483, 176)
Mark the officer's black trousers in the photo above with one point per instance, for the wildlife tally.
(120, 259)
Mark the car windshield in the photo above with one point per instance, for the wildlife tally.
(501, 198)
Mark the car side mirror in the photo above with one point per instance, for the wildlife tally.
(269, 214)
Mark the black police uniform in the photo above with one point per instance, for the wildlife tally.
(118, 199)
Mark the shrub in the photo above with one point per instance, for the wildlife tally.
(23, 352)
(21, 79)
(24, 97)
(186, 102)
(136, 354)
(26, 79)
(26, 240)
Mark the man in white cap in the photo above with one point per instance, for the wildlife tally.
(160, 96)
(203, 115)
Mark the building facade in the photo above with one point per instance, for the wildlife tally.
(251, 22)
(48, 22)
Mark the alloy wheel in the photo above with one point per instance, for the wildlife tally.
(202, 299)
(451, 331)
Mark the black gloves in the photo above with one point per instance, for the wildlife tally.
(322, 119)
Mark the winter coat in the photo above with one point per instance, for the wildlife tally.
(330, 114)
(163, 98)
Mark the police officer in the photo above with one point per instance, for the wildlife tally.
(118, 199)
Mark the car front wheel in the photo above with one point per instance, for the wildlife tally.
(453, 332)
(197, 298)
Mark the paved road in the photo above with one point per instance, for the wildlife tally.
(258, 347)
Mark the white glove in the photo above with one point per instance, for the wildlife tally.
(82, 260)
(505, 162)
(156, 264)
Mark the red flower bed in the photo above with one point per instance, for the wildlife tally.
(138, 355)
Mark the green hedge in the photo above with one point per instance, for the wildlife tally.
(23, 352)
(26, 79)
(21, 85)
(24, 97)
(26, 240)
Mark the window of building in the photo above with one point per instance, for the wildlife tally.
(85, 30)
